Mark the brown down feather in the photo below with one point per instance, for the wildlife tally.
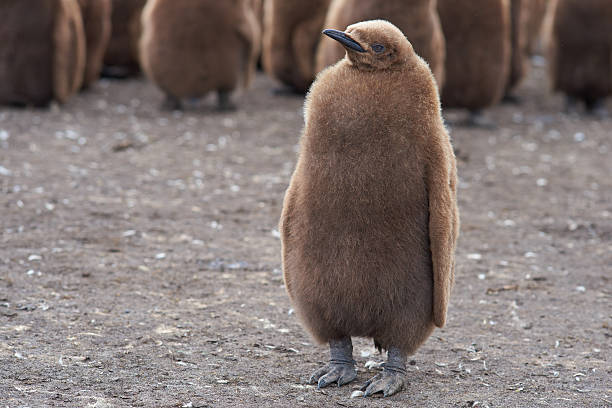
(122, 50)
(292, 30)
(580, 49)
(97, 24)
(42, 55)
(477, 34)
(370, 221)
(191, 47)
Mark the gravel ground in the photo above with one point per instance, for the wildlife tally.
(140, 259)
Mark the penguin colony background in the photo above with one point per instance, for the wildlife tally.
(370, 219)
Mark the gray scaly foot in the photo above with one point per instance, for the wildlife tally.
(341, 367)
(393, 377)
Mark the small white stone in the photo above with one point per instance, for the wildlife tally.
(580, 289)
(474, 257)
(161, 255)
(579, 137)
(34, 257)
(357, 394)
(4, 171)
(541, 182)
(373, 364)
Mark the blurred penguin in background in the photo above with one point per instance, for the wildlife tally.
(121, 58)
(580, 53)
(519, 20)
(191, 47)
(292, 30)
(97, 24)
(478, 45)
(418, 20)
(536, 14)
(526, 17)
(42, 56)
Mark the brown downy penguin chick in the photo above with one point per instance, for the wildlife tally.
(121, 57)
(42, 56)
(536, 14)
(97, 23)
(581, 53)
(292, 29)
(191, 47)
(370, 221)
(519, 10)
(418, 19)
(477, 34)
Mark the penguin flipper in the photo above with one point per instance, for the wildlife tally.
(443, 223)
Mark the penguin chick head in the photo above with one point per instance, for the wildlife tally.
(374, 45)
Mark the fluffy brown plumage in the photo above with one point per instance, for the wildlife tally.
(477, 36)
(369, 221)
(418, 20)
(97, 23)
(121, 57)
(535, 19)
(519, 20)
(191, 47)
(581, 49)
(292, 29)
(42, 56)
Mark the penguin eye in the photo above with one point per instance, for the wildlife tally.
(378, 48)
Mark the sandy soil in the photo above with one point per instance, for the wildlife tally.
(140, 265)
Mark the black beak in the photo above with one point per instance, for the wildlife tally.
(344, 39)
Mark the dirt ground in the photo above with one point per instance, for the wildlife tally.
(140, 259)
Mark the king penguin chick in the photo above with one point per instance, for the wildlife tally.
(519, 21)
(42, 56)
(535, 21)
(121, 57)
(477, 36)
(191, 47)
(97, 24)
(418, 19)
(370, 221)
(291, 33)
(580, 53)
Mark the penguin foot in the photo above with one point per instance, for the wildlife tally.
(571, 105)
(341, 367)
(511, 99)
(598, 109)
(171, 103)
(393, 377)
(388, 382)
(480, 120)
(339, 373)
(224, 103)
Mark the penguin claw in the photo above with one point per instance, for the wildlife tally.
(387, 382)
(333, 373)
